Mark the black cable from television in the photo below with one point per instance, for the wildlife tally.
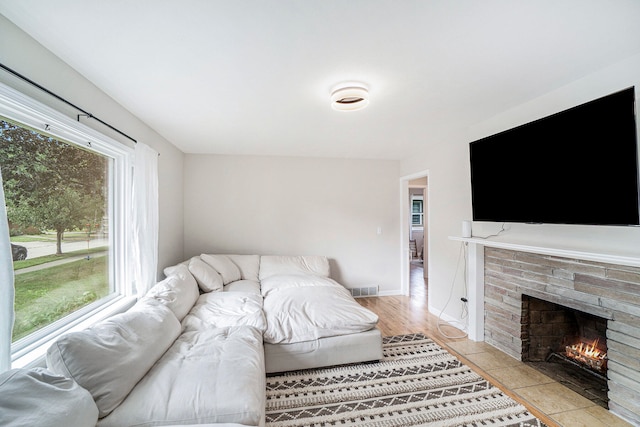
(59, 98)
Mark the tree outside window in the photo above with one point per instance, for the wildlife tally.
(56, 192)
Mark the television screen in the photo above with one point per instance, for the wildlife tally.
(579, 166)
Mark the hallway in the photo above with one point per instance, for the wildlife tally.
(417, 283)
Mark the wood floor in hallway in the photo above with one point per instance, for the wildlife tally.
(549, 400)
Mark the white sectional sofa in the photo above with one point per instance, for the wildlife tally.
(196, 349)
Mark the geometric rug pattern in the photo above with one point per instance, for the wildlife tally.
(417, 383)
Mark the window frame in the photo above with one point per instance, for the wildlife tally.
(420, 214)
(21, 109)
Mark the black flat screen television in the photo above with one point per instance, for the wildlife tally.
(579, 166)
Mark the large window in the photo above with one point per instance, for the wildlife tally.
(57, 199)
(66, 192)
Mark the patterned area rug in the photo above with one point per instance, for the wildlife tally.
(417, 383)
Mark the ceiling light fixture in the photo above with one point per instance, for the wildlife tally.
(350, 98)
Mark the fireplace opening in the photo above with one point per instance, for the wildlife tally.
(567, 345)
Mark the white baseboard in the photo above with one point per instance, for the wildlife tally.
(453, 321)
(392, 293)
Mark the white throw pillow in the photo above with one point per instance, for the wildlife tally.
(223, 265)
(179, 291)
(207, 277)
(110, 358)
(37, 397)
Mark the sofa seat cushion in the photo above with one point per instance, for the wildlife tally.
(296, 314)
(275, 283)
(223, 309)
(214, 375)
(329, 351)
(109, 358)
(37, 397)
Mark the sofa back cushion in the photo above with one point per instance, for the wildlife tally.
(224, 266)
(35, 397)
(275, 265)
(170, 270)
(179, 291)
(209, 280)
(249, 266)
(110, 358)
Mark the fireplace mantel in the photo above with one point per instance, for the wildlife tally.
(621, 258)
(475, 268)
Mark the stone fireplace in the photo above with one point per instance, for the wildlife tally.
(606, 296)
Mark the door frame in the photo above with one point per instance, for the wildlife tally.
(405, 228)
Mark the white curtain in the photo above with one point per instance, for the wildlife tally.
(7, 291)
(145, 218)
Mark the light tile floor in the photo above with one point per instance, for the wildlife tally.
(546, 398)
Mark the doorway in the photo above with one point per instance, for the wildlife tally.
(415, 230)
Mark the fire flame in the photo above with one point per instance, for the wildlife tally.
(588, 354)
(589, 350)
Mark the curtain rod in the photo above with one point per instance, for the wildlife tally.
(59, 98)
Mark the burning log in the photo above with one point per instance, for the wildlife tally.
(588, 355)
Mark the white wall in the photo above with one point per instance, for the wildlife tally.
(449, 204)
(293, 206)
(450, 196)
(24, 55)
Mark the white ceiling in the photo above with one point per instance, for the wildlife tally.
(254, 77)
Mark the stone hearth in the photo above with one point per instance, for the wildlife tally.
(605, 290)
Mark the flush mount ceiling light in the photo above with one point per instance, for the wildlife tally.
(350, 98)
